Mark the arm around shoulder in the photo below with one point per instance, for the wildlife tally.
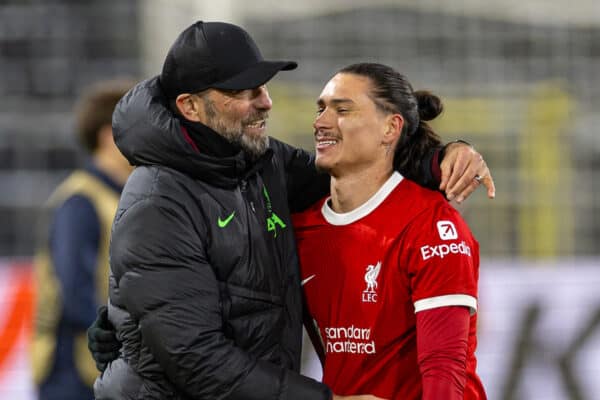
(305, 185)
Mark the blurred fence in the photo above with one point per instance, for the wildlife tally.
(526, 93)
(49, 51)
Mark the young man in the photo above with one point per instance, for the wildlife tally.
(389, 268)
(71, 264)
(205, 294)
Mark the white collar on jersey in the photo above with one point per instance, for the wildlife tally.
(364, 209)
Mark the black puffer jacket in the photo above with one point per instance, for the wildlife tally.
(205, 291)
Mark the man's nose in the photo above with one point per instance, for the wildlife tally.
(323, 120)
(262, 99)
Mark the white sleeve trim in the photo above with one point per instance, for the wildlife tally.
(447, 300)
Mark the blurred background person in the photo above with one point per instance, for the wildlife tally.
(71, 264)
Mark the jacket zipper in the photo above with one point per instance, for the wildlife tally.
(243, 186)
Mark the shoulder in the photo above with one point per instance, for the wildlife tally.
(409, 202)
(161, 222)
(161, 193)
(420, 194)
(419, 200)
(288, 153)
(277, 145)
(76, 205)
(76, 209)
(74, 220)
(155, 193)
(160, 182)
(430, 211)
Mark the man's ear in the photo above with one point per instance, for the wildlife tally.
(188, 108)
(395, 123)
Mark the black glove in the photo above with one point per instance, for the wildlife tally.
(102, 341)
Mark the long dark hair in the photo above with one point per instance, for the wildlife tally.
(392, 93)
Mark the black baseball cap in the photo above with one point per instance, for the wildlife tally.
(216, 55)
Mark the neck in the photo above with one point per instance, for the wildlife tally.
(116, 169)
(350, 191)
(209, 141)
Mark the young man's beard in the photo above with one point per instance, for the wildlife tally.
(255, 146)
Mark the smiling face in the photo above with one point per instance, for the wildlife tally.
(351, 133)
(240, 116)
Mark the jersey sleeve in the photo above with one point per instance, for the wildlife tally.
(443, 260)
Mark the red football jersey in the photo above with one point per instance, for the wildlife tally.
(367, 272)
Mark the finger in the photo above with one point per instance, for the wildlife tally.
(485, 179)
(102, 310)
(446, 168)
(463, 181)
(466, 192)
(105, 347)
(106, 357)
(101, 366)
(96, 347)
(102, 315)
(464, 187)
(475, 166)
(456, 157)
(458, 178)
(488, 182)
(103, 321)
(101, 335)
(446, 171)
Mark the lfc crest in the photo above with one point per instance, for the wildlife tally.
(369, 295)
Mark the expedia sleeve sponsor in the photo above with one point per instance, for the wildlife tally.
(349, 339)
(442, 250)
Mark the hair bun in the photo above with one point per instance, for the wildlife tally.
(430, 106)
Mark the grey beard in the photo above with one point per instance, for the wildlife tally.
(254, 147)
